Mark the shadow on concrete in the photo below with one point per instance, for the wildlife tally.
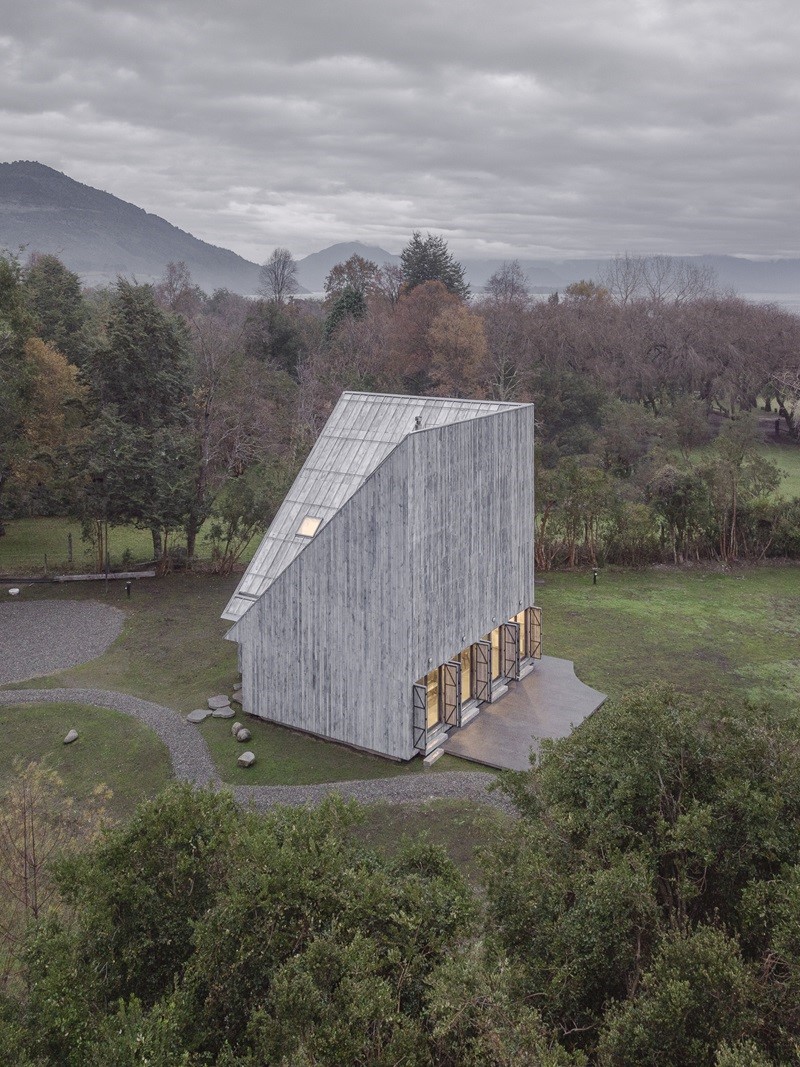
(547, 703)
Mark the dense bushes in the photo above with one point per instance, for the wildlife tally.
(641, 910)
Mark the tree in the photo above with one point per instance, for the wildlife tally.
(349, 303)
(356, 273)
(139, 450)
(389, 283)
(458, 352)
(244, 506)
(410, 352)
(16, 326)
(177, 293)
(38, 823)
(52, 426)
(508, 285)
(633, 891)
(427, 259)
(507, 325)
(277, 277)
(54, 296)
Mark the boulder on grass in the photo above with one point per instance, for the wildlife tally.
(218, 702)
(243, 734)
(247, 759)
(71, 736)
(237, 726)
(223, 713)
(198, 715)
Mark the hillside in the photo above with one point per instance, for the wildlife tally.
(100, 236)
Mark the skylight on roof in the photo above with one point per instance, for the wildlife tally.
(309, 526)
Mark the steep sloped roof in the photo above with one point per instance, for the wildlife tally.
(362, 430)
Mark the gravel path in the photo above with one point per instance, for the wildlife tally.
(191, 761)
(43, 636)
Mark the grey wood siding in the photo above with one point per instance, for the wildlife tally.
(430, 553)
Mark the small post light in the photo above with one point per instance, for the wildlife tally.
(128, 589)
(594, 576)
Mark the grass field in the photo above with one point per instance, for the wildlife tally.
(734, 633)
(38, 546)
(111, 748)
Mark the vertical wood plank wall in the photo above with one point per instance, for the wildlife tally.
(430, 553)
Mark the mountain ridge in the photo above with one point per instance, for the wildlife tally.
(100, 236)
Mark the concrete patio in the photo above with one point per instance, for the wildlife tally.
(548, 703)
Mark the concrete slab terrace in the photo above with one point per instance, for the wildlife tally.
(547, 703)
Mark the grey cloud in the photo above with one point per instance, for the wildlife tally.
(579, 128)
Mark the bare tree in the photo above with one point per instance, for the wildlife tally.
(37, 824)
(509, 285)
(657, 279)
(277, 277)
(389, 282)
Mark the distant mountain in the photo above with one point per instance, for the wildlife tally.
(314, 269)
(100, 236)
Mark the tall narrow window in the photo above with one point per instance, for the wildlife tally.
(432, 686)
(466, 674)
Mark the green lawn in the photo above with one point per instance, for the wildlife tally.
(39, 546)
(286, 757)
(734, 633)
(787, 458)
(111, 748)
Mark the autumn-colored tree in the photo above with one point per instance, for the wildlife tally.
(356, 273)
(458, 352)
(409, 345)
(53, 421)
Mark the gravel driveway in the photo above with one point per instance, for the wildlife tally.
(43, 636)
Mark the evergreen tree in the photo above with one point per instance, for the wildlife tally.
(427, 259)
(55, 300)
(138, 455)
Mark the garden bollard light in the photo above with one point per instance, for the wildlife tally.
(594, 577)
(128, 589)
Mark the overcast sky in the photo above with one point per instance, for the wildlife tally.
(515, 127)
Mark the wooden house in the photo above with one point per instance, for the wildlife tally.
(393, 593)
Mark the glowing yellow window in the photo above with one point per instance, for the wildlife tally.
(309, 526)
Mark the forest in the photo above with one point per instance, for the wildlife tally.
(179, 412)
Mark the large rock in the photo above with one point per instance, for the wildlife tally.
(236, 696)
(218, 702)
(223, 713)
(71, 736)
(243, 734)
(198, 715)
(247, 759)
(235, 728)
